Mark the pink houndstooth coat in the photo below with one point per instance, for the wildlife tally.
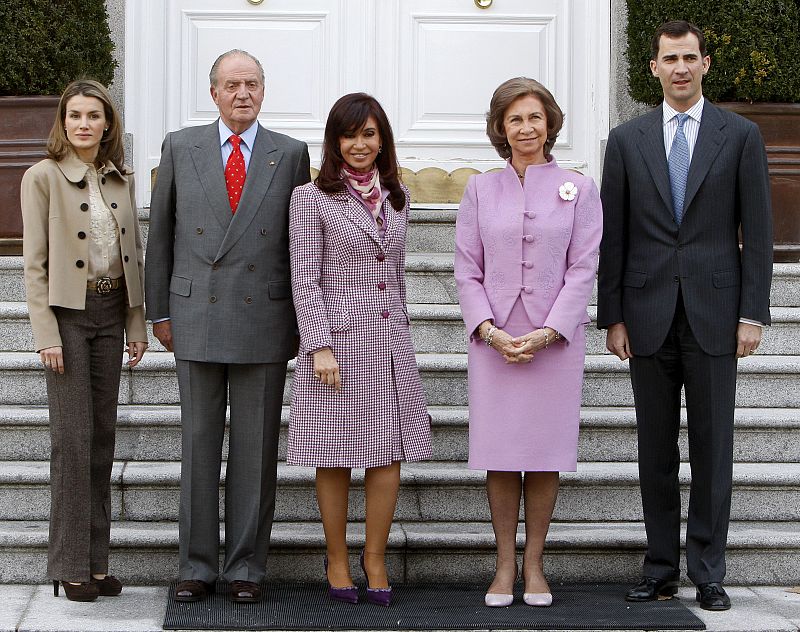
(349, 294)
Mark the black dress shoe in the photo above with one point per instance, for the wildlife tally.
(651, 588)
(190, 590)
(712, 596)
(245, 592)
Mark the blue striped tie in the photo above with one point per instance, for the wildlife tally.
(678, 163)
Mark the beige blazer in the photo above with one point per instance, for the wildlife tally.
(55, 245)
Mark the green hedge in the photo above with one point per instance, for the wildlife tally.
(754, 47)
(45, 44)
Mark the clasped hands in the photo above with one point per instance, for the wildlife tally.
(519, 350)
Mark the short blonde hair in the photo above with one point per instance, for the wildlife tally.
(508, 92)
(111, 147)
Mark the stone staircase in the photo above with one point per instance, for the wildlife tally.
(442, 529)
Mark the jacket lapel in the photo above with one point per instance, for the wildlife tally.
(710, 140)
(211, 174)
(356, 213)
(652, 149)
(264, 161)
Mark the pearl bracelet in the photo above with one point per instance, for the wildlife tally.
(490, 335)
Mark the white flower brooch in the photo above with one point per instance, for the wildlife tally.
(567, 191)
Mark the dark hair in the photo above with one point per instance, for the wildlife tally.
(675, 29)
(111, 148)
(508, 92)
(348, 115)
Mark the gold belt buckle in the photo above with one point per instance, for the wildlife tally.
(104, 285)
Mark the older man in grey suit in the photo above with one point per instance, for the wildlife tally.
(218, 292)
(683, 302)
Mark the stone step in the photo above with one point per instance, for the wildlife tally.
(758, 553)
(764, 381)
(432, 492)
(153, 433)
(429, 277)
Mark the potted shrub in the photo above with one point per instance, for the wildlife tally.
(43, 46)
(755, 71)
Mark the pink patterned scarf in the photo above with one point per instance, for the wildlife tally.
(367, 185)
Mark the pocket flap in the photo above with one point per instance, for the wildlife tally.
(634, 279)
(339, 321)
(180, 285)
(725, 278)
(280, 289)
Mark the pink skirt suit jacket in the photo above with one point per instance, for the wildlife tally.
(526, 257)
(349, 292)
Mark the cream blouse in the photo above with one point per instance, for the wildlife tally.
(104, 250)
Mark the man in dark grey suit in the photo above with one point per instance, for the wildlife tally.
(683, 302)
(218, 292)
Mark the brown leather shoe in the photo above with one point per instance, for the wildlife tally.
(190, 590)
(245, 592)
(109, 586)
(86, 591)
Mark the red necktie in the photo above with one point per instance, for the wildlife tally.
(235, 173)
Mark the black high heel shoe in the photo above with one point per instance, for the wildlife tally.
(378, 596)
(86, 591)
(348, 594)
(109, 586)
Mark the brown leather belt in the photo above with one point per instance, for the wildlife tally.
(104, 285)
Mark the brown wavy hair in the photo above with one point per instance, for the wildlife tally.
(508, 92)
(111, 147)
(348, 115)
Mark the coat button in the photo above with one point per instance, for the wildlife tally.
(199, 230)
(214, 266)
(125, 258)
(248, 299)
(675, 278)
(528, 238)
(385, 314)
(527, 289)
(84, 207)
(113, 205)
(530, 214)
(263, 231)
(79, 263)
(81, 235)
(528, 264)
(380, 256)
(251, 267)
(212, 299)
(81, 184)
(103, 180)
(122, 230)
(381, 285)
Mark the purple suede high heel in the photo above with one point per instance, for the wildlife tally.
(348, 594)
(378, 596)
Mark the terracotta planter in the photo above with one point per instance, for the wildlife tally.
(780, 126)
(25, 124)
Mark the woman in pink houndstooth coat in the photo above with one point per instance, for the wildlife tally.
(357, 399)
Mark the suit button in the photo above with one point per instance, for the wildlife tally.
(263, 231)
(528, 264)
(81, 185)
(676, 278)
(122, 230)
(248, 299)
(680, 246)
(79, 263)
(527, 289)
(251, 267)
(113, 205)
(530, 214)
(103, 180)
(380, 256)
(212, 299)
(528, 238)
(125, 258)
(381, 286)
(84, 207)
(385, 313)
(214, 266)
(199, 230)
(81, 235)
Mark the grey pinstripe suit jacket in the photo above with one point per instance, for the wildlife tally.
(645, 257)
(224, 279)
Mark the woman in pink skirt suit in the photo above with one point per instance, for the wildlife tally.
(357, 399)
(527, 239)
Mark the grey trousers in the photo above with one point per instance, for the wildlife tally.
(256, 394)
(83, 415)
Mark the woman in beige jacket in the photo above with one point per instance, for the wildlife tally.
(83, 277)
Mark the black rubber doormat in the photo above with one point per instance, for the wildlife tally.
(429, 607)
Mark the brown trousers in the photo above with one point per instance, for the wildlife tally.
(83, 415)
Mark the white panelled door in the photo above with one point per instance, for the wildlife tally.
(433, 64)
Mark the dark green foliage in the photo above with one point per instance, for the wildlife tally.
(754, 47)
(45, 44)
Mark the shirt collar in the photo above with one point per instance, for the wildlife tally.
(695, 112)
(248, 136)
(74, 169)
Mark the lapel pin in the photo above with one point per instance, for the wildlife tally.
(271, 163)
